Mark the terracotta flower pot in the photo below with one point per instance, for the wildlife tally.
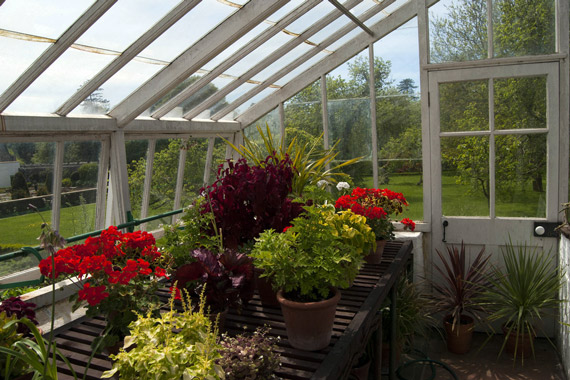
(459, 338)
(309, 324)
(264, 287)
(522, 343)
(375, 256)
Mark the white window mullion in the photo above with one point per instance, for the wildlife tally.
(56, 185)
(492, 149)
(209, 159)
(102, 177)
(490, 35)
(147, 181)
(374, 133)
(179, 181)
(282, 123)
(325, 112)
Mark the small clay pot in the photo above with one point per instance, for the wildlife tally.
(375, 256)
(459, 338)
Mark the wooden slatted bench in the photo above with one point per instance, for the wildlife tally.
(356, 319)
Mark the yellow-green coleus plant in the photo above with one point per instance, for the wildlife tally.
(175, 345)
(354, 231)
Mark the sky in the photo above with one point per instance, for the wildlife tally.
(128, 19)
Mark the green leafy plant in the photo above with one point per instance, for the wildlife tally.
(311, 161)
(523, 291)
(8, 336)
(249, 356)
(175, 345)
(461, 284)
(312, 255)
(35, 354)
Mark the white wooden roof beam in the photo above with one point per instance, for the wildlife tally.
(399, 17)
(305, 57)
(132, 51)
(213, 43)
(241, 53)
(217, 96)
(54, 52)
(50, 124)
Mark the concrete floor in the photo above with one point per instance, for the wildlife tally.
(485, 364)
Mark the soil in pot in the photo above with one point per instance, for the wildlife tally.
(459, 338)
(521, 343)
(375, 256)
(309, 324)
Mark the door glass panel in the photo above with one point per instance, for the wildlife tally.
(520, 175)
(464, 106)
(520, 103)
(465, 176)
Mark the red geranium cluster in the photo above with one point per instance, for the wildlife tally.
(377, 205)
(107, 262)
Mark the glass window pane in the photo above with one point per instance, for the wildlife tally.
(348, 95)
(465, 176)
(196, 152)
(464, 106)
(269, 120)
(26, 177)
(303, 114)
(79, 187)
(16, 56)
(458, 30)
(521, 175)
(522, 28)
(137, 151)
(520, 103)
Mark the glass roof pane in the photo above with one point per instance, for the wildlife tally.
(301, 68)
(311, 17)
(239, 44)
(259, 54)
(196, 99)
(284, 61)
(284, 10)
(344, 39)
(128, 79)
(244, 107)
(59, 81)
(40, 17)
(326, 32)
(16, 56)
(121, 25)
(189, 29)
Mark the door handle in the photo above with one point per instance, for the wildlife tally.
(445, 224)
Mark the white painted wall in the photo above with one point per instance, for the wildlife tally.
(7, 169)
(563, 331)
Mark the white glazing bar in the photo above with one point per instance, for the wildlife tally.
(373, 130)
(348, 14)
(282, 123)
(492, 155)
(490, 33)
(102, 176)
(563, 46)
(56, 185)
(54, 51)
(147, 181)
(121, 195)
(179, 181)
(136, 47)
(111, 212)
(241, 53)
(213, 43)
(274, 56)
(209, 159)
(325, 114)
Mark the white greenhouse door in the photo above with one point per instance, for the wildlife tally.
(494, 144)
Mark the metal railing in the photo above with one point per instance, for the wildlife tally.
(35, 251)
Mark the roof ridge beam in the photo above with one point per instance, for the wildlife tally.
(194, 58)
(126, 56)
(53, 52)
(383, 27)
(299, 61)
(241, 53)
(274, 56)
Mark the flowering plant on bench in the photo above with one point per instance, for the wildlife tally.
(120, 275)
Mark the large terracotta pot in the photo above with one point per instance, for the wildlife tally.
(309, 324)
(459, 338)
(264, 287)
(375, 256)
(523, 346)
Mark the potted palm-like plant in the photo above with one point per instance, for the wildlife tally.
(308, 262)
(521, 293)
(456, 294)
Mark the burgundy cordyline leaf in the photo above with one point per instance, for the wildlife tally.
(189, 272)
